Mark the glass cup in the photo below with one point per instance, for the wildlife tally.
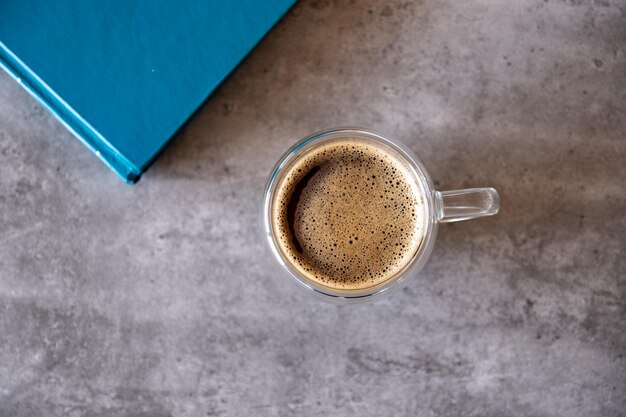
(441, 207)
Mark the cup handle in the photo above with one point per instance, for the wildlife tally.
(471, 203)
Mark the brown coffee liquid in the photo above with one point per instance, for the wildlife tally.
(349, 214)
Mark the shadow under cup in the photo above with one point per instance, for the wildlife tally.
(437, 207)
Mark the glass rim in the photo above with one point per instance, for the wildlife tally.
(408, 271)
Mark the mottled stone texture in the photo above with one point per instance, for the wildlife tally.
(159, 299)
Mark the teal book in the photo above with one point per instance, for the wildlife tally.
(125, 75)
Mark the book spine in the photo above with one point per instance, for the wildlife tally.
(67, 116)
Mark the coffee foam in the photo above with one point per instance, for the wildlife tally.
(349, 214)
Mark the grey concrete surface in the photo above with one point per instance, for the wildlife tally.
(159, 299)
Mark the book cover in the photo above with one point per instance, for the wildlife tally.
(125, 75)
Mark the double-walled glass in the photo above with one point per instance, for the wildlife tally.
(441, 207)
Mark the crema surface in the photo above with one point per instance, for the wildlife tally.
(349, 214)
